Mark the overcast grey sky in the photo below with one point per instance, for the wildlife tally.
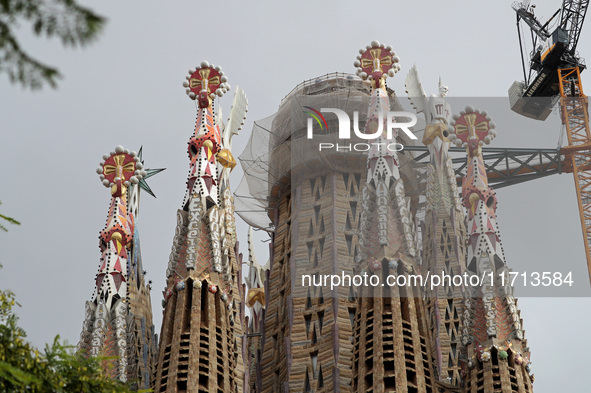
(126, 89)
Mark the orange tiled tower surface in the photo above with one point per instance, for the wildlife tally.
(497, 352)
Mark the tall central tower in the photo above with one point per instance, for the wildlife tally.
(316, 205)
(201, 338)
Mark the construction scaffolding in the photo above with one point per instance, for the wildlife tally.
(279, 143)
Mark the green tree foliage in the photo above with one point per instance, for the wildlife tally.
(7, 219)
(57, 369)
(73, 24)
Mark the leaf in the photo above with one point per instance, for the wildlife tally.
(74, 25)
(16, 376)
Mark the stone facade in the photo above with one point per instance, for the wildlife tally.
(363, 213)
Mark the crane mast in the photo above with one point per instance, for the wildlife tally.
(574, 109)
(552, 72)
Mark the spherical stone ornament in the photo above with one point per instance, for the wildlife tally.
(503, 355)
(197, 284)
(518, 359)
(180, 285)
(485, 356)
(375, 266)
(213, 288)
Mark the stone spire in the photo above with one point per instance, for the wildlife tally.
(385, 206)
(255, 301)
(443, 232)
(118, 320)
(201, 339)
(390, 334)
(498, 356)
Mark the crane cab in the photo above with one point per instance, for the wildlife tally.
(537, 99)
(549, 53)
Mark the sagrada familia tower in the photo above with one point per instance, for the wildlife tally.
(118, 323)
(354, 213)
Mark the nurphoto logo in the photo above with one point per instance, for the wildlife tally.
(392, 122)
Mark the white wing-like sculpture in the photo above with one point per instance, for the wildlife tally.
(219, 119)
(416, 93)
(435, 108)
(237, 117)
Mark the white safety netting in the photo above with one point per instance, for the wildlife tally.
(251, 198)
(279, 143)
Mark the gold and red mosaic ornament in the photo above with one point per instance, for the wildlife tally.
(375, 61)
(472, 128)
(119, 169)
(205, 82)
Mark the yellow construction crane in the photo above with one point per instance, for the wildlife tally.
(552, 72)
